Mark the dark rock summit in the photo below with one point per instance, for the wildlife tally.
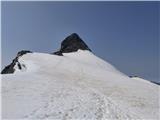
(71, 44)
(10, 68)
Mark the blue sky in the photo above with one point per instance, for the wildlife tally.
(122, 33)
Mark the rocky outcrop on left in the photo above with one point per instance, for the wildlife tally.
(10, 68)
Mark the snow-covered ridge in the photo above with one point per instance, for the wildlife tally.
(70, 61)
(77, 85)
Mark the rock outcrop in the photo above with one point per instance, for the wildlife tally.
(71, 44)
(10, 68)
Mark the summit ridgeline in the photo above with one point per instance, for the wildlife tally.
(72, 43)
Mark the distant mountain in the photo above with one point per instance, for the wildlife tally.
(73, 83)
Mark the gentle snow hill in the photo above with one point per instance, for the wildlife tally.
(77, 85)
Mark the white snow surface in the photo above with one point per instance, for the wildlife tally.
(78, 85)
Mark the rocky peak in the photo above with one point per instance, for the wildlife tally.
(72, 43)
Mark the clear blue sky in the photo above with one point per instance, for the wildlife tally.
(123, 33)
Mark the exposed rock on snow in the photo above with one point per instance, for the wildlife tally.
(11, 67)
(71, 44)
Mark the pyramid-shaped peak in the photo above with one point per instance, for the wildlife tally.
(72, 43)
(74, 35)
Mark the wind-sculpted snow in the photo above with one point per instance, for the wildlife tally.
(77, 85)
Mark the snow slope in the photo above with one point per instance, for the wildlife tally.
(78, 85)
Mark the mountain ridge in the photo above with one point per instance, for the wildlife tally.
(72, 43)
